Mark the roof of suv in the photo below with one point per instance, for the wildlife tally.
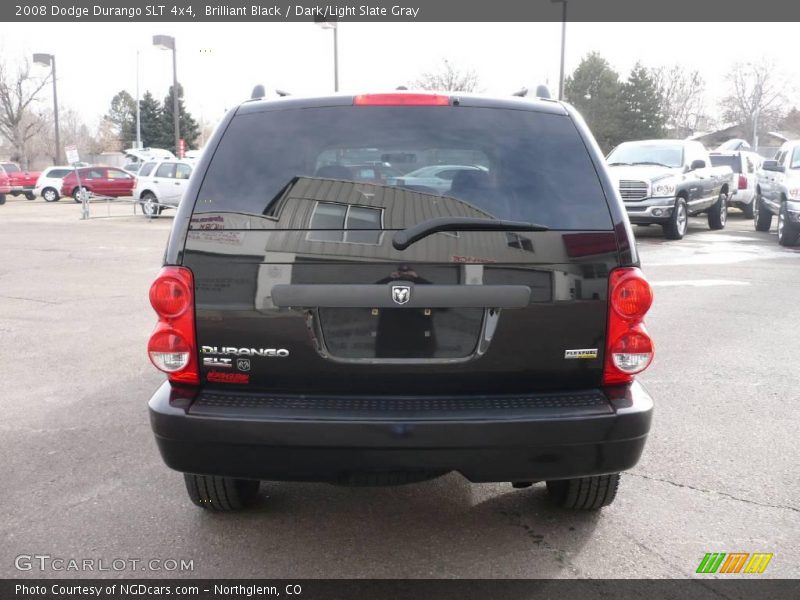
(463, 99)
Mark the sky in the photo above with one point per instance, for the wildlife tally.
(219, 63)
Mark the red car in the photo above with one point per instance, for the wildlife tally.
(99, 181)
(21, 182)
(5, 185)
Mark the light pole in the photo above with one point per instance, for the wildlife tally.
(167, 42)
(138, 113)
(332, 25)
(563, 44)
(50, 60)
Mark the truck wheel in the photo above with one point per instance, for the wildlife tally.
(220, 493)
(30, 196)
(718, 213)
(747, 209)
(762, 218)
(2, 198)
(675, 229)
(788, 233)
(584, 493)
(50, 195)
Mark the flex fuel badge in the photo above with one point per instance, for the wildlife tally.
(581, 353)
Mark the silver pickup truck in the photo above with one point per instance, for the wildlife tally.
(778, 193)
(665, 181)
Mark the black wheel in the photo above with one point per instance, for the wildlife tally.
(747, 209)
(584, 493)
(718, 213)
(76, 194)
(220, 493)
(675, 229)
(788, 233)
(2, 198)
(30, 196)
(762, 218)
(50, 195)
(150, 206)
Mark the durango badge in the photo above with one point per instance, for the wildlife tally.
(401, 294)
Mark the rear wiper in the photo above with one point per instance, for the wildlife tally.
(650, 162)
(403, 239)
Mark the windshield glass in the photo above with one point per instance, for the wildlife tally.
(668, 155)
(505, 164)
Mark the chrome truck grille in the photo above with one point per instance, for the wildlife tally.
(632, 190)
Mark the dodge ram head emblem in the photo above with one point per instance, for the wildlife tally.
(401, 293)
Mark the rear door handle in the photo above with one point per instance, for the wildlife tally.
(417, 296)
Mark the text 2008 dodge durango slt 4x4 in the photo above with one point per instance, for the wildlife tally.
(317, 323)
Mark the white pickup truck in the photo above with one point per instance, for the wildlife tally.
(665, 181)
(778, 193)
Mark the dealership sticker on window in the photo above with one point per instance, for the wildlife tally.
(581, 353)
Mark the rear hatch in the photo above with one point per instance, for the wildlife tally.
(303, 284)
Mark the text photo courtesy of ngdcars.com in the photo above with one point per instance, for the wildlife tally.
(293, 304)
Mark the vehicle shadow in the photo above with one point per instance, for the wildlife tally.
(441, 528)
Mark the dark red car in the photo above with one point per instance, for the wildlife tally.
(5, 185)
(100, 181)
(21, 182)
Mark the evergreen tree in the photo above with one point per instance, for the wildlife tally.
(122, 118)
(595, 90)
(189, 129)
(642, 104)
(150, 116)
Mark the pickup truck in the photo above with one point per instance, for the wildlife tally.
(665, 181)
(778, 193)
(5, 185)
(22, 182)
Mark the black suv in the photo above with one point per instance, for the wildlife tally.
(315, 326)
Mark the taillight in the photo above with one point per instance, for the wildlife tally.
(401, 100)
(629, 349)
(172, 347)
(742, 182)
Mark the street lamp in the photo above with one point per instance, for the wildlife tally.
(50, 60)
(332, 25)
(167, 42)
(563, 43)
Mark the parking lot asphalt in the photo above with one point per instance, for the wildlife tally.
(82, 478)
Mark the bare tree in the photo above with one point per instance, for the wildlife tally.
(682, 98)
(448, 77)
(18, 122)
(74, 131)
(756, 96)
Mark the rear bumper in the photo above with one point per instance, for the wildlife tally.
(531, 438)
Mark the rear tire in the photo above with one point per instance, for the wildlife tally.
(30, 196)
(150, 205)
(718, 213)
(788, 233)
(678, 223)
(747, 209)
(762, 218)
(2, 199)
(220, 494)
(584, 493)
(50, 195)
(76, 194)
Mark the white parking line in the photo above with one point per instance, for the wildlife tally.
(699, 282)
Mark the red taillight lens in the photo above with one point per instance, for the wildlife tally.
(742, 182)
(172, 347)
(169, 296)
(629, 349)
(631, 295)
(401, 100)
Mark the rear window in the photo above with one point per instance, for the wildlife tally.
(146, 169)
(55, 173)
(511, 164)
(734, 162)
(11, 168)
